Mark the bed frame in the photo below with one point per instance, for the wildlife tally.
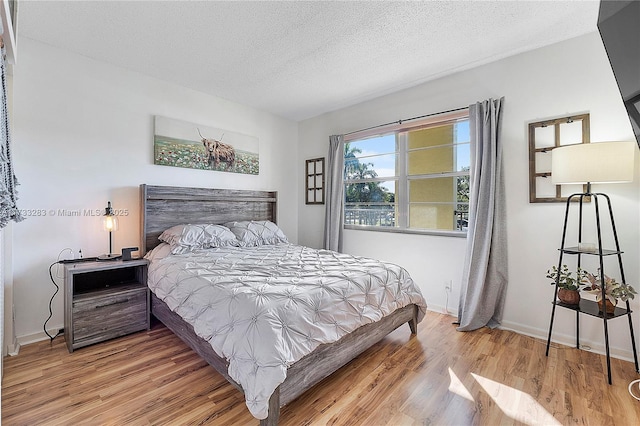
(164, 206)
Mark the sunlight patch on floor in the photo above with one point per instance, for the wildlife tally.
(456, 386)
(516, 404)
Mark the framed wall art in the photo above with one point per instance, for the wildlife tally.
(179, 143)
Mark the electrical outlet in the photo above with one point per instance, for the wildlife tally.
(447, 285)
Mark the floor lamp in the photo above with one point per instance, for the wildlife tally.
(593, 163)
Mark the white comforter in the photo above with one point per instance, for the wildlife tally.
(263, 308)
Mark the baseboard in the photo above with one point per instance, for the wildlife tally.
(442, 310)
(13, 348)
(568, 340)
(36, 337)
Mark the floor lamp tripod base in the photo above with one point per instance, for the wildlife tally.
(600, 253)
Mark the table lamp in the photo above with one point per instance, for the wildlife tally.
(109, 224)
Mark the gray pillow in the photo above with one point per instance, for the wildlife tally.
(186, 238)
(257, 233)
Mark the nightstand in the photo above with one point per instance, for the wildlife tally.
(104, 300)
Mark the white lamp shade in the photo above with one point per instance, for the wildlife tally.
(599, 162)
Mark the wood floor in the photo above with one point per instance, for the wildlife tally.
(439, 377)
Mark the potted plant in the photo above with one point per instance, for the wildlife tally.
(613, 291)
(568, 286)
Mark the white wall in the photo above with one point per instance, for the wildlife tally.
(566, 78)
(83, 135)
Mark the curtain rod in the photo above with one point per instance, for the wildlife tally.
(406, 119)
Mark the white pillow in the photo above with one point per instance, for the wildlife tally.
(257, 233)
(186, 238)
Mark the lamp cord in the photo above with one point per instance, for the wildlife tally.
(44, 326)
(631, 391)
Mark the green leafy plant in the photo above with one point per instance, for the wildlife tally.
(614, 290)
(565, 278)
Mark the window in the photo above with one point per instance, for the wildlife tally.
(410, 179)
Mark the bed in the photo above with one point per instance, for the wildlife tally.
(165, 207)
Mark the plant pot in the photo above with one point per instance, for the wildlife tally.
(610, 307)
(570, 297)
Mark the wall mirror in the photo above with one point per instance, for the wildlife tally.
(314, 181)
(544, 136)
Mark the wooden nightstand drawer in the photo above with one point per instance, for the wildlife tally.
(104, 300)
(107, 314)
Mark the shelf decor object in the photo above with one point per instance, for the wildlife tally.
(603, 162)
(568, 286)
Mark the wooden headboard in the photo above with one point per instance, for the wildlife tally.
(165, 206)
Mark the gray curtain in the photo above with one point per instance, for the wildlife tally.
(484, 278)
(334, 206)
(8, 194)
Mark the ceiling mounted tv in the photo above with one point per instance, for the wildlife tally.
(619, 26)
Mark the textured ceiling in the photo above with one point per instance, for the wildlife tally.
(300, 59)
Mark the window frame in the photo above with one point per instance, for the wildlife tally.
(400, 129)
